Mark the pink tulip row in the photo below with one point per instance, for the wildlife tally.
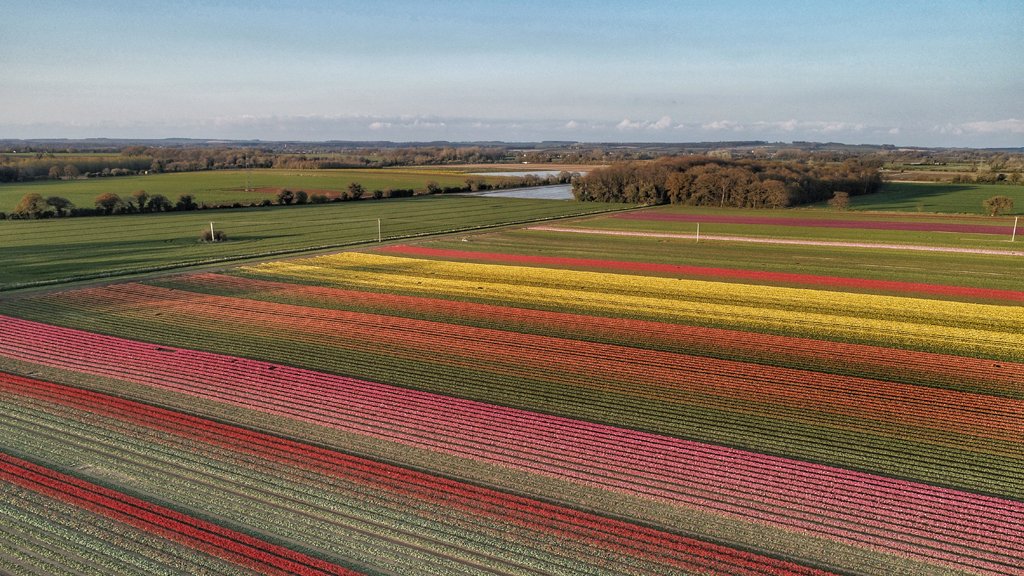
(581, 528)
(666, 376)
(908, 518)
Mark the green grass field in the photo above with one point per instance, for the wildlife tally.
(49, 251)
(228, 186)
(926, 197)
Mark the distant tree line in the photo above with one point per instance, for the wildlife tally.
(34, 206)
(713, 181)
(135, 160)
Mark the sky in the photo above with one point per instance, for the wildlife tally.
(938, 73)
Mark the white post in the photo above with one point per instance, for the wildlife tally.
(213, 238)
(378, 230)
(1013, 237)
(698, 232)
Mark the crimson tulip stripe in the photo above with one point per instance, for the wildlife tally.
(580, 527)
(917, 520)
(208, 537)
(725, 274)
(654, 216)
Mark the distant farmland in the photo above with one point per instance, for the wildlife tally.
(60, 249)
(228, 186)
(929, 197)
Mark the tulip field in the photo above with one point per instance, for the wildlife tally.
(502, 405)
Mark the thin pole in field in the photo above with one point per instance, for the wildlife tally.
(1013, 237)
(698, 232)
(378, 230)
(212, 237)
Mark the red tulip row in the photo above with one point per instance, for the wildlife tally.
(665, 376)
(1000, 377)
(973, 463)
(758, 276)
(914, 519)
(201, 535)
(580, 528)
(821, 223)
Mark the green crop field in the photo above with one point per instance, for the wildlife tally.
(46, 251)
(228, 186)
(927, 197)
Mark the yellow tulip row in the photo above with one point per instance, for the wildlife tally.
(957, 327)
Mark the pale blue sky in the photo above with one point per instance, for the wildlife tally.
(914, 73)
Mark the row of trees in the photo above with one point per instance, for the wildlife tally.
(34, 206)
(135, 160)
(707, 181)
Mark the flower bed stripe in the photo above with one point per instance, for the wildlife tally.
(921, 521)
(940, 370)
(777, 240)
(969, 329)
(582, 529)
(441, 358)
(211, 538)
(754, 276)
(667, 377)
(1002, 228)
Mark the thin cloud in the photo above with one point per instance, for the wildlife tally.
(659, 124)
(1007, 126)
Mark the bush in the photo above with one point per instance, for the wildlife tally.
(355, 191)
(59, 204)
(839, 201)
(110, 203)
(158, 203)
(378, 194)
(997, 205)
(31, 206)
(319, 199)
(301, 197)
(185, 202)
(285, 197)
(216, 236)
